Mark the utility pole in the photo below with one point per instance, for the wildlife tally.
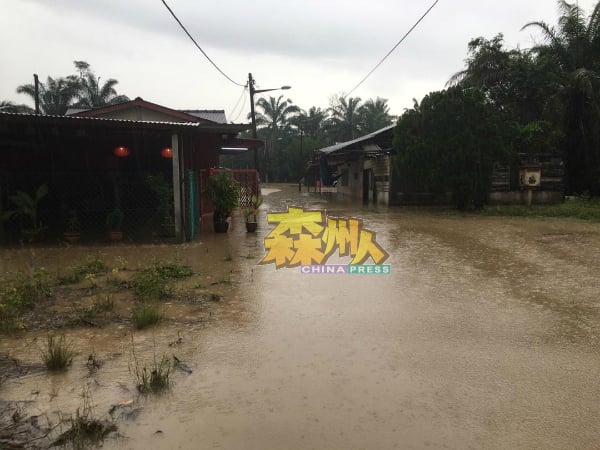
(252, 114)
(36, 92)
(253, 91)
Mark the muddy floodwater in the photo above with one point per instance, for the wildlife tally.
(485, 335)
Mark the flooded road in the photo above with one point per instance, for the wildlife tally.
(485, 335)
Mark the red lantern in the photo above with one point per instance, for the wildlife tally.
(166, 152)
(211, 171)
(121, 151)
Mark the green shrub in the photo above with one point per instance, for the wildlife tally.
(92, 266)
(151, 283)
(19, 292)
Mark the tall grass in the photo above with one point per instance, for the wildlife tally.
(57, 355)
(154, 378)
(146, 314)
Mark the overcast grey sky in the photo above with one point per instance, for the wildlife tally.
(319, 47)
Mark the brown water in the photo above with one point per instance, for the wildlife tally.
(484, 336)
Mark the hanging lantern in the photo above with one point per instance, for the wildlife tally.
(166, 152)
(121, 151)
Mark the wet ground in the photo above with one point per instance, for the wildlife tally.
(485, 335)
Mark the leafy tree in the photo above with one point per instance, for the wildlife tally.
(450, 144)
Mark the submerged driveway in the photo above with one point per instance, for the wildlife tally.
(485, 335)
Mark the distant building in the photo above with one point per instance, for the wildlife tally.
(359, 169)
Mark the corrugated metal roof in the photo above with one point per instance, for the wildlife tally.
(345, 145)
(217, 127)
(215, 115)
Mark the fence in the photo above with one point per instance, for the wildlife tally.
(247, 179)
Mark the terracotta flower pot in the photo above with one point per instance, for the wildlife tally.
(115, 235)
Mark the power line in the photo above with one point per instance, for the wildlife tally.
(196, 44)
(234, 109)
(394, 48)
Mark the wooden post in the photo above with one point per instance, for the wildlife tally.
(176, 186)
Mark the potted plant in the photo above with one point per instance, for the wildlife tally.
(72, 232)
(27, 206)
(223, 192)
(114, 224)
(251, 211)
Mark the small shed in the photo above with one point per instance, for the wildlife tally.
(359, 169)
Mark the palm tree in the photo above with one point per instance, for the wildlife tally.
(273, 121)
(94, 95)
(8, 106)
(56, 95)
(574, 47)
(275, 113)
(310, 123)
(375, 114)
(345, 120)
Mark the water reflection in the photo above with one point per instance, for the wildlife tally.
(485, 330)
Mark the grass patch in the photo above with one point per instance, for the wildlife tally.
(104, 303)
(155, 379)
(577, 208)
(85, 431)
(146, 315)
(101, 307)
(58, 354)
(87, 270)
(19, 292)
(152, 379)
(151, 283)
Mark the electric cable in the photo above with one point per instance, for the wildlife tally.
(196, 44)
(234, 109)
(394, 48)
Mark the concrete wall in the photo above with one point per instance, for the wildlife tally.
(519, 197)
